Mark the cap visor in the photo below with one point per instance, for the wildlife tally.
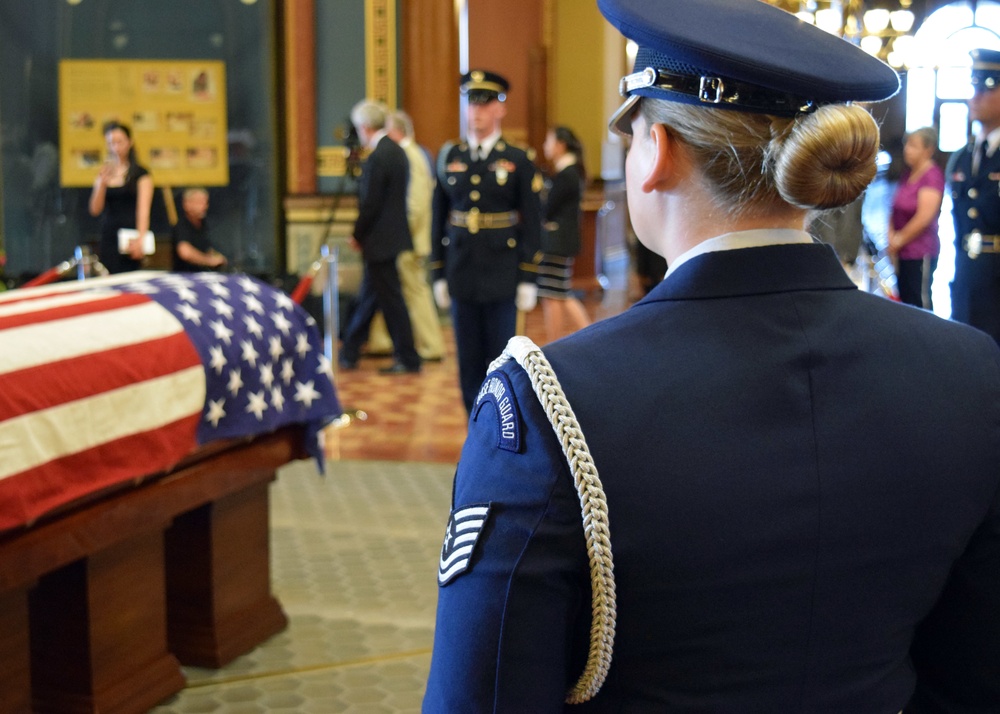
(621, 120)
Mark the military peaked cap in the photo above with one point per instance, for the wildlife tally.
(740, 54)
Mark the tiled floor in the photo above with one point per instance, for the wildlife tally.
(354, 564)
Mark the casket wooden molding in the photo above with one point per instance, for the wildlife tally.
(101, 602)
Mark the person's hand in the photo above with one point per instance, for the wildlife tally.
(441, 296)
(218, 259)
(105, 173)
(892, 247)
(527, 297)
(353, 242)
(135, 251)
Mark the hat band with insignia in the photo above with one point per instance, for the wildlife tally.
(707, 90)
(985, 68)
(488, 86)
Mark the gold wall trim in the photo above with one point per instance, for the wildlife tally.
(380, 51)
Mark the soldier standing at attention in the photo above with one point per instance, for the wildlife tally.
(973, 173)
(486, 232)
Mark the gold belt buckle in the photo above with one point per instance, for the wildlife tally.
(472, 220)
(974, 244)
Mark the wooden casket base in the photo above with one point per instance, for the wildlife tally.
(100, 605)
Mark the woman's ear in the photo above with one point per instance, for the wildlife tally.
(660, 174)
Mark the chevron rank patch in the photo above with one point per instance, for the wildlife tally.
(496, 390)
(460, 538)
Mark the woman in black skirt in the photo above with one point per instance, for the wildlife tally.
(561, 235)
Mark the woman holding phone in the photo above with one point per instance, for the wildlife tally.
(122, 196)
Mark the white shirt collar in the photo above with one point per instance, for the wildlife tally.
(992, 140)
(757, 238)
(487, 144)
(376, 138)
(564, 161)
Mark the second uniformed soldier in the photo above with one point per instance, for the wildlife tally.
(486, 232)
(974, 175)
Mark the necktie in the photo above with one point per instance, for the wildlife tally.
(979, 156)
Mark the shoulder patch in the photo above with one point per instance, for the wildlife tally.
(496, 390)
(460, 538)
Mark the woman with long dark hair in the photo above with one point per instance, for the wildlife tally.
(122, 196)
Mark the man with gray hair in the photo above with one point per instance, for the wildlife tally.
(381, 232)
(412, 264)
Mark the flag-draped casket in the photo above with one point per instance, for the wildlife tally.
(142, 418)
(106, 380)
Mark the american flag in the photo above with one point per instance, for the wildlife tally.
(107, 380)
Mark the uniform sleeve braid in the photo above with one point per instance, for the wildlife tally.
(594, 509)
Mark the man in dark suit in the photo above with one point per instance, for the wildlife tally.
(485, 233)
(974, 173)
(382, 232)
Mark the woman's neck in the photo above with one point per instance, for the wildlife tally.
(919, 170)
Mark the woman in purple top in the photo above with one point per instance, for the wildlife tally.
(913, 228)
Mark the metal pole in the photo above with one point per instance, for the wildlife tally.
(331, 302)
(81, 267)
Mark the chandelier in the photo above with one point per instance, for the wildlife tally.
(881, 28)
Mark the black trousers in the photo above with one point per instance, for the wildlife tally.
(913, 277)
(380, 290)
(482, 330)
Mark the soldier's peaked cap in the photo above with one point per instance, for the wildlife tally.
(482, 86)
(985, 68)
(741, 54)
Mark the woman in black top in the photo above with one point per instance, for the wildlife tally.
(122, 196)
(561, 237)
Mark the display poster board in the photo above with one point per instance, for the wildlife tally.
(176, 110)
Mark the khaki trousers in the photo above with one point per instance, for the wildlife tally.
(427, 337)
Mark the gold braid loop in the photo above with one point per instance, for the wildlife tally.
(594, 508)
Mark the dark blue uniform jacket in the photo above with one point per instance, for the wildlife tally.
(975, 290)
(802, 482)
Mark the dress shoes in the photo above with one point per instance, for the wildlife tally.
(399, 368)
(346, 364)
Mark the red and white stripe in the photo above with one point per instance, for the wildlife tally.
(96, 388)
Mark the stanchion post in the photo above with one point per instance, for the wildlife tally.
(331, 302)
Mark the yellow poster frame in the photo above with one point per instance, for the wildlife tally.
(176, 110)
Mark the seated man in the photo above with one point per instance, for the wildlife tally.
(192, 249)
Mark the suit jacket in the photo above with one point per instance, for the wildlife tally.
(802, 487)
(561, 213)
(419, 194)
(486, 266)
(382, 228)
(975, 290)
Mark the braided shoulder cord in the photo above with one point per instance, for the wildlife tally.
(594, 508)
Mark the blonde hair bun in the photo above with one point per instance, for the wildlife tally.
(826, 159)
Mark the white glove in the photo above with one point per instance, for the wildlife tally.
(441, 296)
(527, 297)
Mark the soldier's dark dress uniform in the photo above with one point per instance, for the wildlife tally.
(782, 540)
(485, 240)
(975, 289)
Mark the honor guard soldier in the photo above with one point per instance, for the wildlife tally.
(711, 502)
(486, 232)
(974, 175)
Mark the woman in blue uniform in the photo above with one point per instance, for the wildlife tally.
(763, 532)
